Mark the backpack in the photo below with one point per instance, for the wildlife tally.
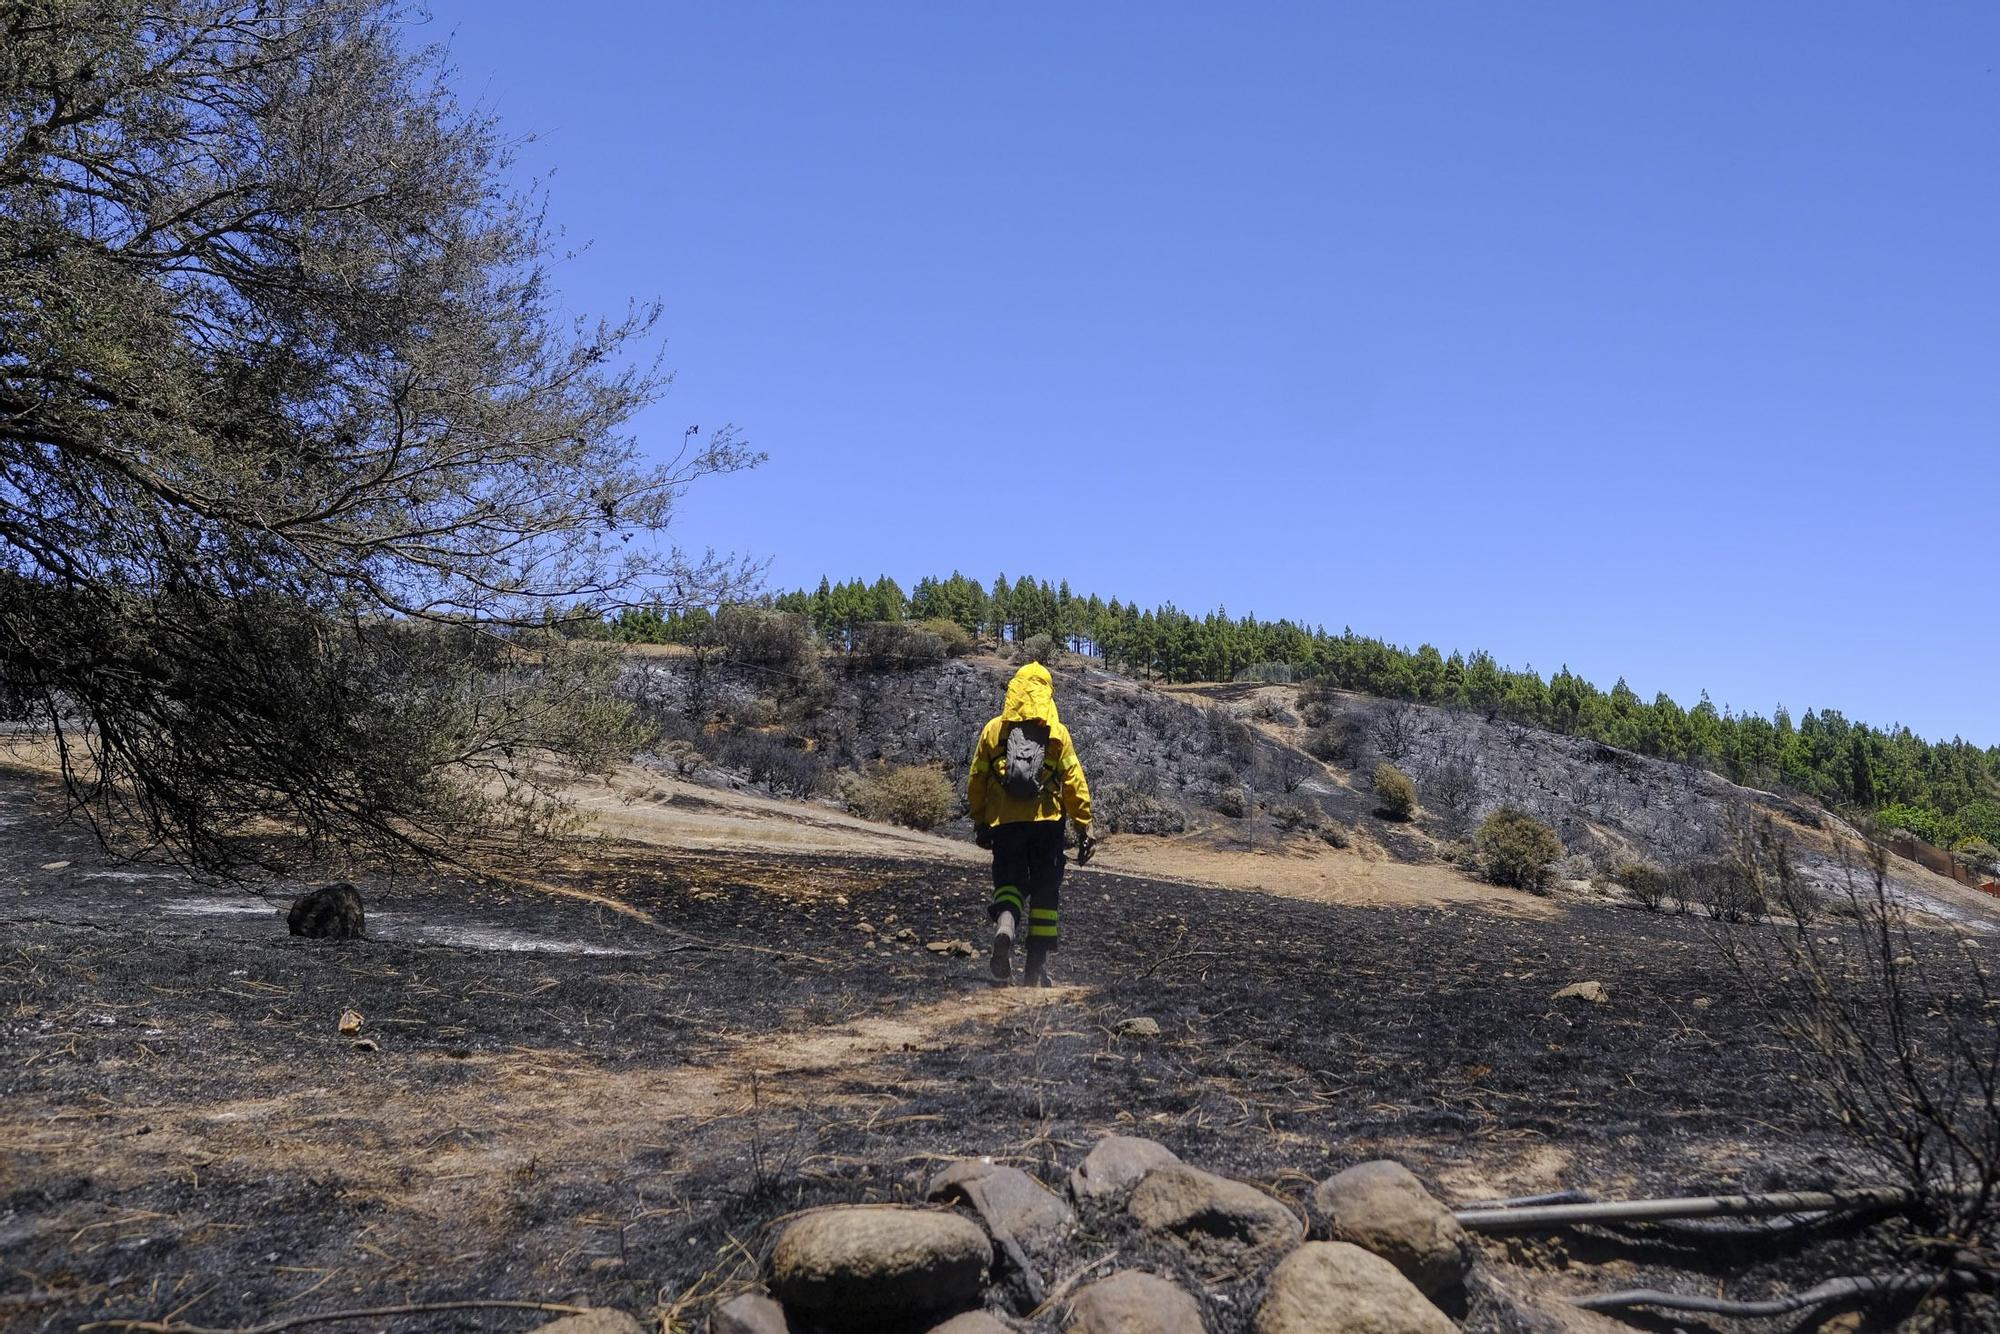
(1022, 756)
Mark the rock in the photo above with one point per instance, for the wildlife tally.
(331, 912)
(1702, 1002)
(859, 1267)
(1140, 1027)
(603, 1320)
(1107, 1175)
(961, 949)
(1214, 1218)
(1586, 991)
(350, 1022)
(972, 1322)
(865, 928)
(1330, 1285)
(1132, 1303)
(751, 1313)
(1008, 1199)
(1386, 1211)
(905, 934)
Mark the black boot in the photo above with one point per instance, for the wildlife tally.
(1037, 966)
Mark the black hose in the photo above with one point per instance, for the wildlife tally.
(1833, 1290)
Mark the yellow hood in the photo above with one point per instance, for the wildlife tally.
(1031, 697)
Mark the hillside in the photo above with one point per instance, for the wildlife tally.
(1165, 762)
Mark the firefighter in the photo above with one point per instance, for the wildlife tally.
(1025, 781)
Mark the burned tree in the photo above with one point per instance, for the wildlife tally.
(295, 451)
(1895, 1024)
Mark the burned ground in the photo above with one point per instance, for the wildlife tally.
(188, 1133)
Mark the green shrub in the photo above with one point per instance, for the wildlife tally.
(1396, 794)
(957, 640)
(1270, 673)
(1517, 849)
(916, 795)
(1648, 884)
(1039, 648)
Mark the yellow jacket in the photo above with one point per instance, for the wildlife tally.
(1030, 698)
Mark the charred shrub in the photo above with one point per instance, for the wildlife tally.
(1395, 794)
(1124, 809)
(1336, 835)
(1292, 819)
(766, 638)
(896, 646)
(1453, 792)
(788, 770)
(1517, 849)
(915, 795)
(1232, 802)
(1337, 741)
(1230, 738)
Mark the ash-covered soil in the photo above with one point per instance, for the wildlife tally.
(603, 1087)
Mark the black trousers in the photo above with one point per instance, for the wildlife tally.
(1027, 878)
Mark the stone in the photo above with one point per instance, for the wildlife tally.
(751, 1313)
(603, 1320)
(1214, 1219)
(1702, 1002)
(1132, 1303)
(1009, 1200)
(858, 1267)
(960, 949)
(331, 912)
(1386, 1211)
(973, 1322)
(1107, 1175)
(1329, 1285)
(1139, 1027)
(1585, 991)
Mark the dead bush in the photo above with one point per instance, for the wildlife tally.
(1337, 741)
(1292, 819)
(786, 768)
(1395, 794)
(890, 646)
(1336, 835)
(1894, 1027)
(1395, 732)
(1229, 738)
(1233, 802)
(1517, 849)
(1123, 809)
(1453, 792)
(918, 796)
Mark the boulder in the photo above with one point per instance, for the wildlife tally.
(331, 912)
(862, 1267)
(1107, 1175)
(1138, 1027)
(1327, 1286)
(1132, 1303)
(751, 1313)
(604, 1320)
(1386, 1211)
(973, 1322)
(1214, 1219)
(1008, 1199)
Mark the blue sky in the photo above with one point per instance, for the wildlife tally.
(1660, 340)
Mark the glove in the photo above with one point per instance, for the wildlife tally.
(982, 834)
(1086, 846)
